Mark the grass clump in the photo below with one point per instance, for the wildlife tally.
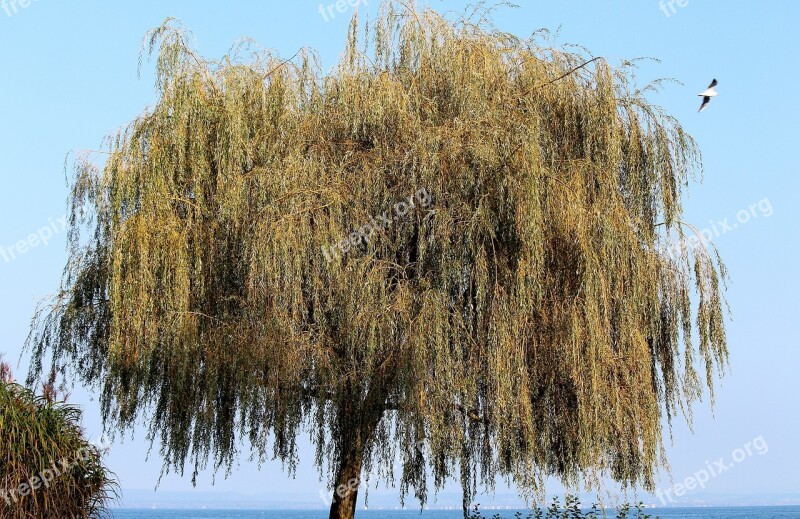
(47, 466)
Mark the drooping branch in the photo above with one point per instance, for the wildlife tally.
(472, 414)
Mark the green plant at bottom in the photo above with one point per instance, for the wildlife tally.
(48, 469)
(571, 509)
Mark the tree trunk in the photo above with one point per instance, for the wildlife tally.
(345, 490)
(357, 422)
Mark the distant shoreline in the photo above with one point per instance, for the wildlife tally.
(417, 511)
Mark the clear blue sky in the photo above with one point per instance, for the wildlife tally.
(69, 78)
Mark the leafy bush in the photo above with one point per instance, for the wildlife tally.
(572, 510)
(47, 466)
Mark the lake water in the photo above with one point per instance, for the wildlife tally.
(743, 512)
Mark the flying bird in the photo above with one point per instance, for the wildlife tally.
(707, 95)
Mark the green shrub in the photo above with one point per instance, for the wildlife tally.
(47, 466)
(571, 509)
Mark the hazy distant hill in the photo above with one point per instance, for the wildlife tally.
(388, 500)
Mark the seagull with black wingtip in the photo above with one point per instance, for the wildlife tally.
(707, 95)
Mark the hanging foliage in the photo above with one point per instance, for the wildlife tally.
(522, 318)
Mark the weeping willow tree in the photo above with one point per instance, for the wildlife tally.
(452, 250)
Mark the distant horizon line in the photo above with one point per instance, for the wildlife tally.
(648, 506)
(148, 499)
(384, 509)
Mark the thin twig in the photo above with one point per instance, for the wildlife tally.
(562, 76)
(284, 62)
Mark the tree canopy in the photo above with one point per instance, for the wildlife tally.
(519, 315)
